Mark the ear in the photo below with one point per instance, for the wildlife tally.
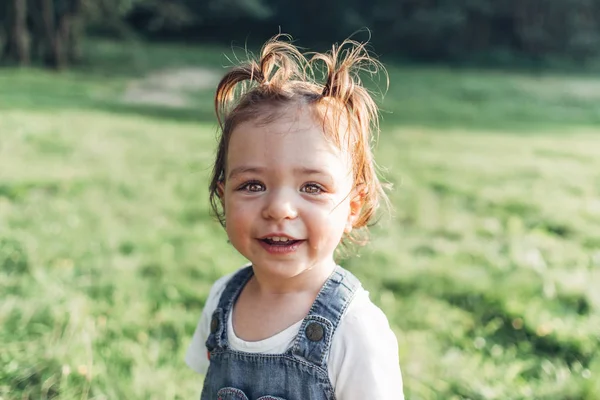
(221, 193)
(356, 204)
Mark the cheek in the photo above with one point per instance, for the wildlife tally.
(237, 215)
(341, 212)
(330, 222)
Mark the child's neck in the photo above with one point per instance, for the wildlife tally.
(310, 280)
(267, 305)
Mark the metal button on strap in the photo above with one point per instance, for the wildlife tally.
(214, 324)
(314, 332)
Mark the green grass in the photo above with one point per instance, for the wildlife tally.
(489, 270)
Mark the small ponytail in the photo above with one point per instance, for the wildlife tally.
(342, 68)
(279, 63)
(343, 83)
(259, 89)
(228, 84)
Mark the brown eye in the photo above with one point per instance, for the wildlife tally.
(252, 187)
(312, 188)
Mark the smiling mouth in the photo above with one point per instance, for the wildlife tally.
(282, 243)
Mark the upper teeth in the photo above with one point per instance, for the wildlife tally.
(279, 239)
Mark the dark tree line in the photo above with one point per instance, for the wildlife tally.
(51, 31)
(45, 30)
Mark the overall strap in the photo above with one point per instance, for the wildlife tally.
(218, 322)
(314, 338)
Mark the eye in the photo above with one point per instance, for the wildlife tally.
(312, 188)
(252, 186)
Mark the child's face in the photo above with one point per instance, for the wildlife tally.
(286, 181)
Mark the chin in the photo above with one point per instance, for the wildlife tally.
(281, 269)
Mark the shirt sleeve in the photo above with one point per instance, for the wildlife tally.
(196, 356)
(364, 356)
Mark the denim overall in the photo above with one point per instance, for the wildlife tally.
(298, 374)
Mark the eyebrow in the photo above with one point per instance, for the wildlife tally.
(310, 171)
(258, 170)
(244, 170)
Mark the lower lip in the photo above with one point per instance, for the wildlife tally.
(281, 249)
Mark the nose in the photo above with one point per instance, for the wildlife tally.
(279, 206)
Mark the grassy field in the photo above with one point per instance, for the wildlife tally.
(489, 270)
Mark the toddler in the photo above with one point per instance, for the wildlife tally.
(294, 177)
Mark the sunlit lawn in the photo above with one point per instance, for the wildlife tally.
(489, 270)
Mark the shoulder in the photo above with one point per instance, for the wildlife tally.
(212, 301)
(196, 353)
(219, 286)
(364, 337)
(217, 289)
(364, 324)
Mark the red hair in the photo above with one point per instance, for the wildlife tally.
(283, 76)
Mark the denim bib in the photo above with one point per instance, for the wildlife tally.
(298, 374)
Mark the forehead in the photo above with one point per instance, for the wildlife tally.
(296, 136)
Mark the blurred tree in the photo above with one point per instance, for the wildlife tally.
(162, 15)
(51, 31)
(318, 22)
(16, 47)
(462, 29)
(58, 20)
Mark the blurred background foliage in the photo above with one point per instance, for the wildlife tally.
(508, 32)
(489, 270)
